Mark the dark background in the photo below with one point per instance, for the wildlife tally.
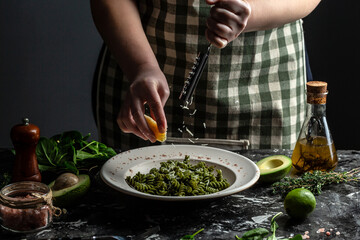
(49, 49)
(333, 44)
(48, 53)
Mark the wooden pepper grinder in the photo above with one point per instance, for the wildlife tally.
(25, 137)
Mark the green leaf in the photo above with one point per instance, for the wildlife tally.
(68, 139)
(191, 236)
(94, 147)
(71, 167)
(86, 137)
(70, 151)
(297, 237)
(91, 147)
(81, 155)
(73, 135)
(44, 168)
(62, 156)
(109, 152)
(254, 234)
(274, 226)
(187, 237)
(45, 151)
(272, 237)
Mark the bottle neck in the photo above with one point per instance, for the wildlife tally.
(317, 110)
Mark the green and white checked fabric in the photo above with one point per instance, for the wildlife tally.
(252, 89)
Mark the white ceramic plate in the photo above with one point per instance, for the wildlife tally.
(240, 172)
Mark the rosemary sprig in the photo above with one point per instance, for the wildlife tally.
(314, 181)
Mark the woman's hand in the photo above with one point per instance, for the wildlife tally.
(228, 18)
(148, 86)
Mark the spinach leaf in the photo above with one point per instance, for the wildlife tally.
(254, 234)
(261, 233)
(46, 151)
(44, 168)
(81, 155)
(191, 236)
(70, 151)
(273, 227)
(297, 237)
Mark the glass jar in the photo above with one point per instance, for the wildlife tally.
(25, 206)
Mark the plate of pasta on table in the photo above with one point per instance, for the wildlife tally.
(179, 172)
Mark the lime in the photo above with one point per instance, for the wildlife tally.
(70, 196)
(299, 203)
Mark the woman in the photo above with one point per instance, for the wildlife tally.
(253, 87)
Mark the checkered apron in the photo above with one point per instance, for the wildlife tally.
(252, 90)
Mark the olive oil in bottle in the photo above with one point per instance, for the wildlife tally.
(315, 149)
(317, 155)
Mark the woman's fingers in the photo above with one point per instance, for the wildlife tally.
(215, 39)
(228, 18)
(128, 125)
(149, 87)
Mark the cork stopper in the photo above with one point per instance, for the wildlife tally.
(316, 92)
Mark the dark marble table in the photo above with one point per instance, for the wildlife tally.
(106, 212)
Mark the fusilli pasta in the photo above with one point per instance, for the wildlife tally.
(179, 178)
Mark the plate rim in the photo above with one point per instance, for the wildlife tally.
(226, 192)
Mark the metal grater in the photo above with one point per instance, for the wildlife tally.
(193, 78)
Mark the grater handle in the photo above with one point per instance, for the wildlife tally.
(194, 77)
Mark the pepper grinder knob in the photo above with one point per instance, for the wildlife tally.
(25, 137)
(26, 121)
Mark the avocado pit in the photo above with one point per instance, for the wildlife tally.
(65, 180)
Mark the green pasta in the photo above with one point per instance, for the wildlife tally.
(179, 178)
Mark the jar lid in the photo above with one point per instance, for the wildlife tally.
(25, 194)
(316, 92)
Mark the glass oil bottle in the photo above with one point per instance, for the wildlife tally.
(315, 148)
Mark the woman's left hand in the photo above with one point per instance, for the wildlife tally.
(228, 18)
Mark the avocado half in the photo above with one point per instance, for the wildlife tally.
(274, 168)
(70, 196)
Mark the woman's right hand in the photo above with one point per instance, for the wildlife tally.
(150, 86)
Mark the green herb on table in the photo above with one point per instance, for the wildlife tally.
(186, 237)
(314, 181)
(261, 233)
(71, 152)
(254, 234)
(274, 226)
